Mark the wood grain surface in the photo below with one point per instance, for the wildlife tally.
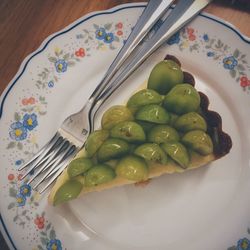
(24, 24)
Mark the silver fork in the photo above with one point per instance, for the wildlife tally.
(52, 159)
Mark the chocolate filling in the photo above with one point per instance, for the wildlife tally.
(222, 141)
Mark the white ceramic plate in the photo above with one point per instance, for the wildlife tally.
(207, 208)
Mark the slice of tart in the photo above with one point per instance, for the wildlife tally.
(164, 128)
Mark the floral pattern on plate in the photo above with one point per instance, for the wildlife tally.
(105, 36)
(232, 60)
(25, 200)
(24, 122)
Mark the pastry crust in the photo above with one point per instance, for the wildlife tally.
(156, 170)
(221, 141)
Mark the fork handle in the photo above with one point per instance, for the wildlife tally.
(180, 15)
(152, 13)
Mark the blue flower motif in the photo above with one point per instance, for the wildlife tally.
(30, 121)
(109, 38)
(100, 33)
(229, 62)
(21, 200)
(25, 190)
(210, 54)
(18, 132)
(205, 37)
(54, 244)
(61, 65)
(50, 84)
(18, 162)
(174, 39)
(243, 244)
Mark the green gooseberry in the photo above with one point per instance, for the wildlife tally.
(128, 131)
(151, 152)
(199, 141)
(162, 133)
(112, 148)
(95, 140)
(99, 174)
(181, 99)
(79, 166)
(132, 168)
(114, 115)
(177, 152)
(152, 113)
(144, 97)
(164, 76)
(190, 121)
(68, 191)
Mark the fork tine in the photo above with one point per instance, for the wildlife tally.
(67, 154)
(63, 149)
(44, 156)
(61, 167)
(41, 151)
(50, 160)
(52, 165)
(57, 167)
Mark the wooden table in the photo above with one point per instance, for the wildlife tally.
(24, 24)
